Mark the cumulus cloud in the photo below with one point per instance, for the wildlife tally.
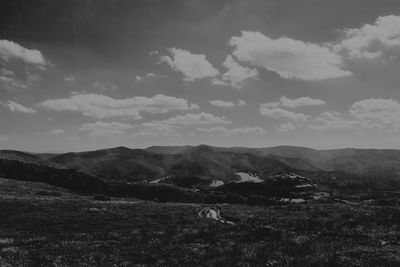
(10, 51)
(106, 129)
(295, 103)
(332, 121)
(171, 125)
(286, 127)
(216, 81)
(370, 40)
(147, 75)
(364, 114)
(276, 109)
(101, 106)
(222, 103)
(377, 113)
(280, 113)
(193, 119)
(14, 106)
(192, 66)
(237, 74)
(297, 59)
(155, 128)
(20, 67)
(288, 57)
(382, 114)
(227, 104)
(300, 102)
(228, 132)
(367, 114)
(17, 77)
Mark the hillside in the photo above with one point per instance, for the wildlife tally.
(358, 161)
(204, 165)
(201, 162)
(44, 172)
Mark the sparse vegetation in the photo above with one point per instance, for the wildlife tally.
(52, 215)
(101, 197)
(48, 193)
(79, 232)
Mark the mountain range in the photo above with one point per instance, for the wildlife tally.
(206, 163)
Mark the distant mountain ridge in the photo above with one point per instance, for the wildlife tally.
(207, 163)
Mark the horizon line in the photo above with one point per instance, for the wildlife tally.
(196, 145)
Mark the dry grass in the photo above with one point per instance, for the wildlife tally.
(78, 231)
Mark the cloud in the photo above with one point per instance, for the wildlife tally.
(11, 51)
(370, 40)
(192, 66)
(104, 86)
(295, 103)
(155, 128)
(172, 125)
(17, 77)
(221, 103)
(368, 114)
(216, 81)
(228, 132)
(20, 67)
(57, 131)
(105, 129)
(377, 113)
(279, 113)
(286, 127)
(288, 57)
(241, 103)
(332, 121)
(147, 75)
(227, 104)
(247, 130)
(237, 74)
(276, 109)
(382, 114)
(148, 133)
(192, 119)
(300, 102)
(70, 78)
(101, 106)
(3, 139)
(14, 106)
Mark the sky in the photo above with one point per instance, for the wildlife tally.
(80, 75)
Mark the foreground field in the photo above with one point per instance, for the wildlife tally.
(71, 230)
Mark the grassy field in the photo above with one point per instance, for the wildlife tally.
(64, 229)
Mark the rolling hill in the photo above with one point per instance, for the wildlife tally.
(202, 164)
